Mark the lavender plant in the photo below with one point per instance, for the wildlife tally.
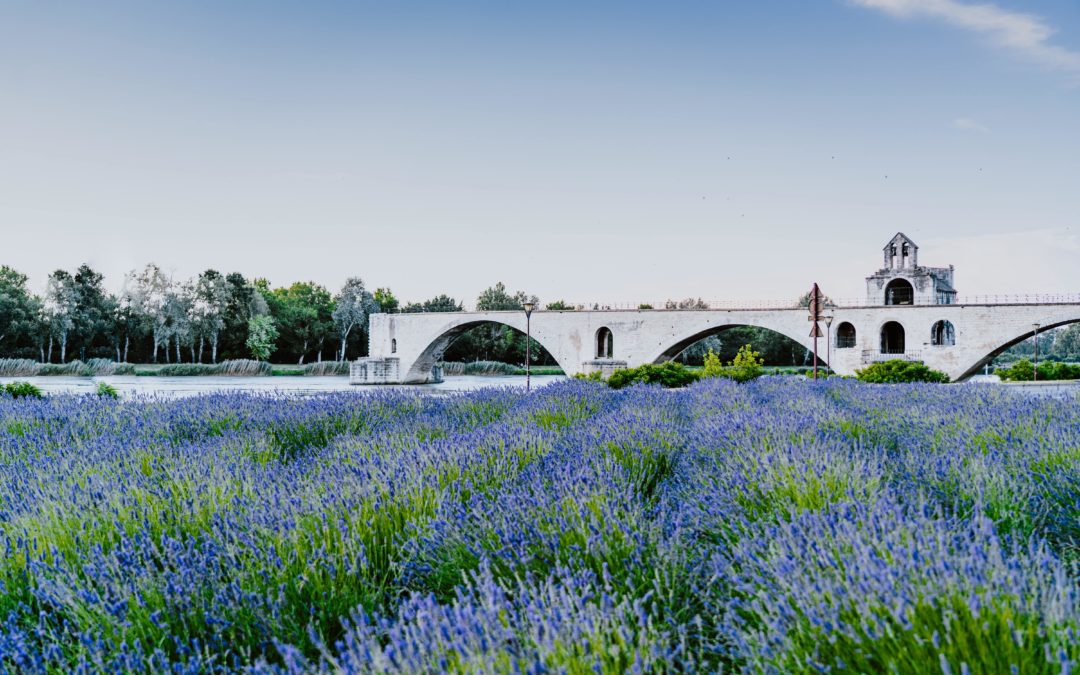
(774, 526)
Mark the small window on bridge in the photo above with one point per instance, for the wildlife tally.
(605, 343)
(899, 292)
(943, 334)
(892, 338)
(845, 336)
(393, 346)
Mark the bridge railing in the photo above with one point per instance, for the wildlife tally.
(840, 303)
(876, 356)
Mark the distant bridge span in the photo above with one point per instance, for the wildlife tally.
(955, 338)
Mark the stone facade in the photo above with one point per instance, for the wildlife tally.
(603, 366)
(375, 370)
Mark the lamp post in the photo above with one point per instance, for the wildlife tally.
(1035, 373)
(528, 307)
(828, 342)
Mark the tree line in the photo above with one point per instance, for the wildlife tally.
(213, 317)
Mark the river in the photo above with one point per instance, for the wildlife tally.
(175, 387)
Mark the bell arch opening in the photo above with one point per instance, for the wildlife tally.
(845, 336)
(892, 338)
(942, 334)
(605, 343)
(899, 292)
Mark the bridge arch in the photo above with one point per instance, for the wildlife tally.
(437, 344)
(1054, 321)
(680, 343)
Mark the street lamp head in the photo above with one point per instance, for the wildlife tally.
(828, 320)
(1036, 326)
(528, 307)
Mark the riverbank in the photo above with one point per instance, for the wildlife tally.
(163, 386)
(237, 368)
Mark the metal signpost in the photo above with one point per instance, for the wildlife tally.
(828, 343)
(528, 307)
(815, 316)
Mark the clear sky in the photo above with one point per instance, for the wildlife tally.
(612, 151)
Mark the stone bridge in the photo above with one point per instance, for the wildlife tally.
(958, 339)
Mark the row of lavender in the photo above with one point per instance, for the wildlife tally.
(777, 526)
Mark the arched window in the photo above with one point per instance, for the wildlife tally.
(899, 292)
(943, 334)
(845, 336)
(892, 338)
(393, 345)
(605, 343)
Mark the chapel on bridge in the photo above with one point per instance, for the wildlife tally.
(902, 281)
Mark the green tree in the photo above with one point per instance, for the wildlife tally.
(304, 313)
(440, 303)
(498, 299)
(686, 303)
(209, 310)
(388, 304)
(18, 311)
(94, 310)
(262, 337)
(1067, 343)
(559, 306)
(61, 309)
(244, 303)
(353, 305)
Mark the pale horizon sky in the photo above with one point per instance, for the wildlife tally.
(611, 152)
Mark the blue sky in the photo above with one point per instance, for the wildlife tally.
(620, 151)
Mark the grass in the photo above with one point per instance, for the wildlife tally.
(90, 368)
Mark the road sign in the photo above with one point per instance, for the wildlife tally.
(815, 315)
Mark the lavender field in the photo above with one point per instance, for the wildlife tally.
(777, 526)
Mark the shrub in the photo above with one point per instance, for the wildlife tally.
(327, 368)
(1024, 371)
(670, 375)
(106, 390)
(479, 368)
(19, 368)
(242, 367)
(897, 371)
(22, 390)
(102, 367)
(234, 367)
(594, 376)
(746, 366)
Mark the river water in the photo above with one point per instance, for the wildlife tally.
(174, 387)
